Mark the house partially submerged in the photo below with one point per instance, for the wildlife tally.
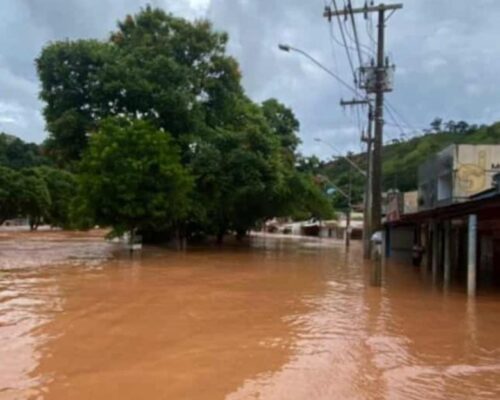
(456, 228)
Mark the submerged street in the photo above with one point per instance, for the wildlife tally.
(277, 318)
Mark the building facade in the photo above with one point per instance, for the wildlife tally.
(455, 233)
(456, 173)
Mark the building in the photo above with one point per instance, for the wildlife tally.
(456, 228)
(456, 173)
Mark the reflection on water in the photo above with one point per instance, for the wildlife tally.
(278, 319)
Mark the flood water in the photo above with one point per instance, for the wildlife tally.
(273, 319)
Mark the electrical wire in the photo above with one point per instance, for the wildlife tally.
(342, 45)
(345, 43)
(361, 48)
(398, 125)
(400, 116)
(331, 37)
(355, 32)
(344, 83)
(369, 32)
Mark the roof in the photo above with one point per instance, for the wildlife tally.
(487, 206)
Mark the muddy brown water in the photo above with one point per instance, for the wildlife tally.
(273, 319)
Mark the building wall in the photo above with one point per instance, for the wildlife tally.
(474, 168)
(410, 202)
(456, 173)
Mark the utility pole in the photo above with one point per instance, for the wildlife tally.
(374, 79)
(349, 211)
(368, 188)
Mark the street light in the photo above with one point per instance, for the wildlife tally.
(352, 163)
(368, 187)
(287, 48)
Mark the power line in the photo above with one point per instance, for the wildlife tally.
(380, 86)
(400, 116)
(367, 51)
(369, 31)
(389, 111)
(355, 33)
(332, 47)
(359, 45)
(345, 42)
(342, 45)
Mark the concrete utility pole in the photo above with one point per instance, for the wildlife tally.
(374, 79)
(472, 255)
(349, 211)
(368, 188)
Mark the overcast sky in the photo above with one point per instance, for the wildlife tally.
(446, 51)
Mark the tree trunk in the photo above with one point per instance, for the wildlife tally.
(220, 238)
(131, 241)
(240, 234)
(33, 223)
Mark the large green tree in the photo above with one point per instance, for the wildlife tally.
(170, 71)
(174, 76)
(238, 171)
(132, 178)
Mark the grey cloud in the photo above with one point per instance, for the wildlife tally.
(446, 54)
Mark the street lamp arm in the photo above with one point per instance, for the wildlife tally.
(288, 48)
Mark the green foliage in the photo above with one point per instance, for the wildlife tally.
(24, 194)
(71, 77)
(10, 182)
(33, 197)
(62, 187)
(238, 172)
(179, 146)
(305, 198)
(132, 177)
(16, 154)
(401, 160)
(283, 124)
(157, 67)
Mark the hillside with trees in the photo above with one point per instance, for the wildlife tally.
(17, 154)
(402, 158)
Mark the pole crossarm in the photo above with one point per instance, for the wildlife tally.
(377, 75)
(355, 102)
(361, 10)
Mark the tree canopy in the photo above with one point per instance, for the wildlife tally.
(132, 177)
(17, 154)
(163, 88)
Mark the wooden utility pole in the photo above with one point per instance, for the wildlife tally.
(374, 79)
